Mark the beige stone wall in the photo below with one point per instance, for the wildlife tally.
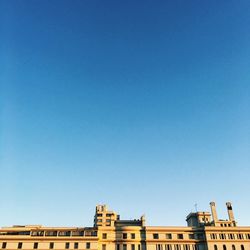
(45, 245)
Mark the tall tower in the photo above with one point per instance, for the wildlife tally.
(104, 217)
(230, 213)
(214, 213)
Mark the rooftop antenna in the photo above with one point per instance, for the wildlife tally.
(195, 205)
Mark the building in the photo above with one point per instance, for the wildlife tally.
(204, 231)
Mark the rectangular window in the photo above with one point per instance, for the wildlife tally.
(104, 236)
(117, 246)
(4, 245)
(191, 236)
(37, 233)
(156, 236)
(64, 233)
(51, 233)
(51, 245)
(201, 237)
(76, 245)
(124, 236)
(169, 247)
(67, 245)
(180, 236)
(240, 236)
(88, 245)
(133, 247)
(139, 247)
(124, 247)
(177, 247)
(132, 236)
(168, 236)
(20, 245)
(35, 245)
(103, 246)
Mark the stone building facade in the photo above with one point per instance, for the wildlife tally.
(204, 231)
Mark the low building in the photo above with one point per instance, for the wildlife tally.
(204, 231)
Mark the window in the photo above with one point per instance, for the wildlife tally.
(168, 236)
(248, 236)
(155, 236)
(180, 236)
(139, 247)
(200, 236)
(37, 233)
(213, 236)
(81, 233)
(132, 236)
(124, 236)
(88, 245)
(99, 220)
(104, 236)
(133, 247)
(93, 233)
(35, 246)
(233, 247)
(67, 245)
(64, 233)
(117, 246)
(215, 247)
(191, 236)
(51, 233)
(168, 247)
(108, 215)
(103, 246)
(76, 245)
(4, 245)
(177, 247)
(242, 247)
(20, 245)
(108, 220)
(224, 247)
(240, 236)
(124, 247)
(51, 245)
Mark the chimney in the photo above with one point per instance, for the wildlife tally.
(230, 212)
(214, 213)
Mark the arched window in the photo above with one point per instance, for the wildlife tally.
(215, 247)
(242, 247)
(224, 247)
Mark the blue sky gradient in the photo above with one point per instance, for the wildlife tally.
(142, 105)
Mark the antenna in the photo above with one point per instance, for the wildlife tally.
(195, 205)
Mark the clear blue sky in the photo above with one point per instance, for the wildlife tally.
(142, 105)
